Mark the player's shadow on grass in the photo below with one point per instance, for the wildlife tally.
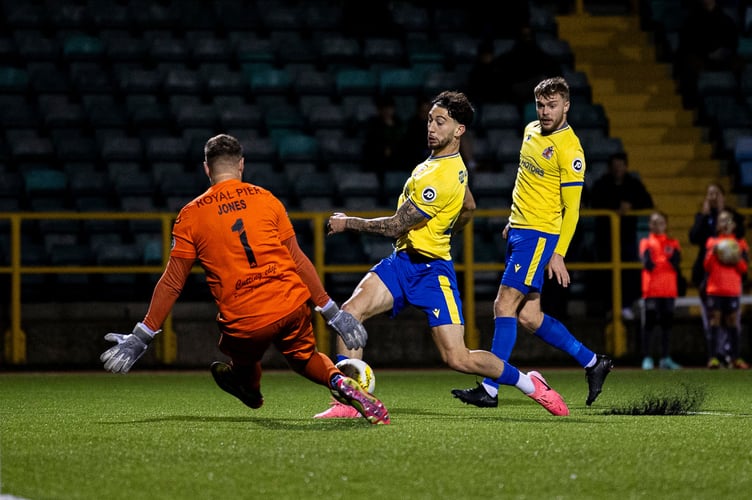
(272, 423)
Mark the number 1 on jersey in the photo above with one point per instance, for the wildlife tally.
(240, 229)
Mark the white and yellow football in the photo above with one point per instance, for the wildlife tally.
(360, 371)
(727, 250)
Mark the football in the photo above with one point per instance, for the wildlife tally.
(360, 371)
(727, 250)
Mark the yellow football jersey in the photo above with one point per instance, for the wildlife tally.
(549, 182)
(437, 188)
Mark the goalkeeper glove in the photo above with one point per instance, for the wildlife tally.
(352, 331)
(129, 348)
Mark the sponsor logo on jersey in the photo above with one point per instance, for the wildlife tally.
(517, 267)
(436, 312)
(428, 194)
(578, 165)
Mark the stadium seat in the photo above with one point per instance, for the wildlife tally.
(339, 50)
(400, 81)
(82, 47)
(354, 81)
(499, 116)
(743, 149)
(298, 147)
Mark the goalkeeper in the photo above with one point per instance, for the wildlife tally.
(261, 282)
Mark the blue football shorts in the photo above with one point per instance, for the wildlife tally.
(427, 284)
(528, 252)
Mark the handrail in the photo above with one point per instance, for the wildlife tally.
(15, 340)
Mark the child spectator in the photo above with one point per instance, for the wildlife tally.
(660, 255)
(726, 264)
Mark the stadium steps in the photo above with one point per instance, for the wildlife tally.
(645, 111)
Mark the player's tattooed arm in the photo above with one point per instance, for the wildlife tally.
(405, 218)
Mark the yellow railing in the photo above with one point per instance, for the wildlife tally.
(15, 339)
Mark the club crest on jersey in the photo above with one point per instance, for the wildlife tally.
(428, 194)
(548, 152)
(578, 165)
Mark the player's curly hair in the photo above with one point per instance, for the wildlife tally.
(222, 145)
(457, 104)
(552, 86)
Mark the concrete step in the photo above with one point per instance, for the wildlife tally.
(674, 203)
(629, 53)
(623, 71)
(656, 134)
(677, 184)
(582, 25)
(650, 117)
(647, 165)
(675, 151)
(605, 84)
(642, 100)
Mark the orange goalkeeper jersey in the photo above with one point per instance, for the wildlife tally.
(235, 231)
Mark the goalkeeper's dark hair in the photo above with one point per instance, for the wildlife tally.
(222, 146)
(457, 104)
(552, 86)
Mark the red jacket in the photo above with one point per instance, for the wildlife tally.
(725, 280)
(660, 258)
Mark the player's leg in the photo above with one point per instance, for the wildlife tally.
(370, 297)
(666, 321)
(242, 376)
(297, 343)
(449, 340)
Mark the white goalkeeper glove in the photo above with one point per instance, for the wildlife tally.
(129, 348)
(352, 331)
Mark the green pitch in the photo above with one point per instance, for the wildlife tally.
(169, 435)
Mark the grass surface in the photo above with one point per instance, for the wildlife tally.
(170, 435)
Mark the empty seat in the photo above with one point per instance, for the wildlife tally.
(351, 81)
(270, 81)
(44, 181)
(400, 81)
(298, 147)
(166, 149)
(139, 80)
(82, 47)
(338, 49)
(716, 83)
(743, 149)
(182, 81)
(314, 184)
(121, 149)
(327, 116)
(358, 184)
(13, 80)
(500, 115)
(383, 50)
(314, 82)
(119, 255)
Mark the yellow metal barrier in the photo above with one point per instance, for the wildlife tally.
(15, 339)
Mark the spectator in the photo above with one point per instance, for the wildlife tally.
(524, 65)
(485, 77)
(414, 148)
(382, 139)
(725, 273)
(706, 221)
(620, 190)
(708, 41)
(660, 255)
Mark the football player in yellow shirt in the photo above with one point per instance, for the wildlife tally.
(435, 202)
(544, 213)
